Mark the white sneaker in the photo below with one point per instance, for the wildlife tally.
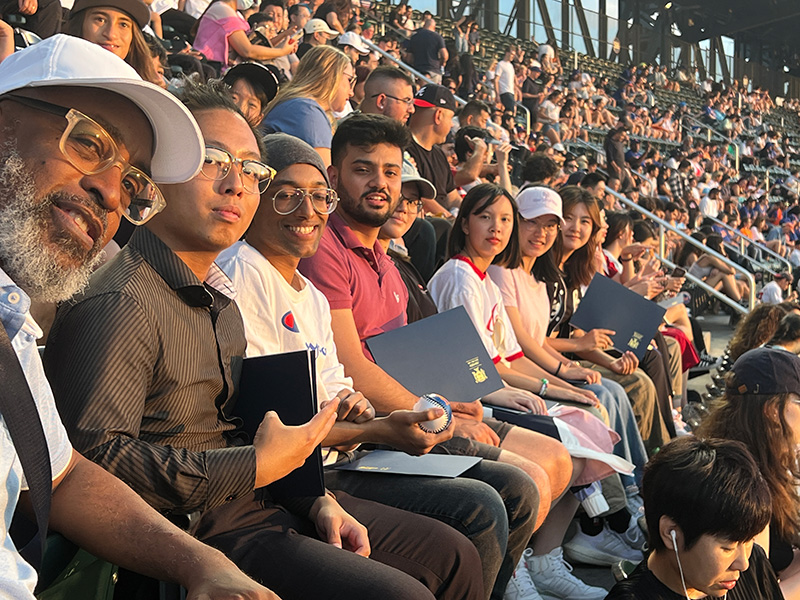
(603, 549)
(520, 586)
(554, 580)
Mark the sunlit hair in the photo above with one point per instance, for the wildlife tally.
(139, 56)
(477, 200)
(617, 222)
(757, 328)
(759, 422)
(318, 76)
(708, 487)
(580, 267)
(215, 95)
(788, 330)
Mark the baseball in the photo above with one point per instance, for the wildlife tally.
(435, 401)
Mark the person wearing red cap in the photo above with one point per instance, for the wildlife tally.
(435, 107)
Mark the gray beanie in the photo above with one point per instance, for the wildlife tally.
(285, 150)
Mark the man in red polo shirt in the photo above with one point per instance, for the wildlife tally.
(367, 296)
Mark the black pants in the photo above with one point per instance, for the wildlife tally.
(413, 557)
(180, 21)
(46, 21)
(656, 366)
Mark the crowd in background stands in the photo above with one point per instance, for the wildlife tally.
(523, 151)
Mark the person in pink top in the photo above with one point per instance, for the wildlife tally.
(222, 28)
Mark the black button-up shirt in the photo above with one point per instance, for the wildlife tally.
(143, 365)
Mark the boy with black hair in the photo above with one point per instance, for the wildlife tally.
(705, 501)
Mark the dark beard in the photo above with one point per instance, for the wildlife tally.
(365, 216)
(34, 262)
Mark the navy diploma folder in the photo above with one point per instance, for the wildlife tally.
(609, 305)
(442, 354)
(287, 384)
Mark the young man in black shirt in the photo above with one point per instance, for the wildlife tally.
(705, 501)
(435, 107)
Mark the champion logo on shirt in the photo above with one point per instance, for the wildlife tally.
(396, 297)
(288, 321)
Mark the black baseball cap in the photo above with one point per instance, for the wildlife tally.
(766, 371)
(262, 76)
(435, 96)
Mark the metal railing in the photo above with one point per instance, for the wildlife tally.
(744, 240)
(406, 67)
(527, 114)
(712, 132)
(664, 226)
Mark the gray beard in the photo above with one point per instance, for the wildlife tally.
(26, 253)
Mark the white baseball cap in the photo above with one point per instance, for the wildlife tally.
(351, 38)
(316, 25)
(65, 60)
(410, 175)
(536, 201)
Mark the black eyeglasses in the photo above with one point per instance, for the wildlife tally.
(406, 101)
(90, 148)
(414, 206)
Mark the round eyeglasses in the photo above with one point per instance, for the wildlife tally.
(256, 176)
(323, 200)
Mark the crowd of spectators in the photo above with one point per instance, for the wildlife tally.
(340, 197)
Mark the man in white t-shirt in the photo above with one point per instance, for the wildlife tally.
(772, 293)
(53, 230)
(283, 311)
(505, 80)
(709, 205)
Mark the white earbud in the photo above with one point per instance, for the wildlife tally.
(674, 537)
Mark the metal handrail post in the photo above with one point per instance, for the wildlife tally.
(703, 285)
(527, 119)
(744, 239)
(747, 274)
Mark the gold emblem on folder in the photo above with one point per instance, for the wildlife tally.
(478, 374)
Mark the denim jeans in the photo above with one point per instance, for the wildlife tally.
(493, 504)
(622, 420)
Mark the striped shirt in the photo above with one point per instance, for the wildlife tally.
(142, 365)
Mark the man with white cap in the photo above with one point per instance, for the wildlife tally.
(351, 44)
(316, 33)
(82, 141)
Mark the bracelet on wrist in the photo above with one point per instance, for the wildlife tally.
(629, 259)
(558, 369)
(543, 390)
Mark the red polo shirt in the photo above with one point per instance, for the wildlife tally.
(358, 278)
